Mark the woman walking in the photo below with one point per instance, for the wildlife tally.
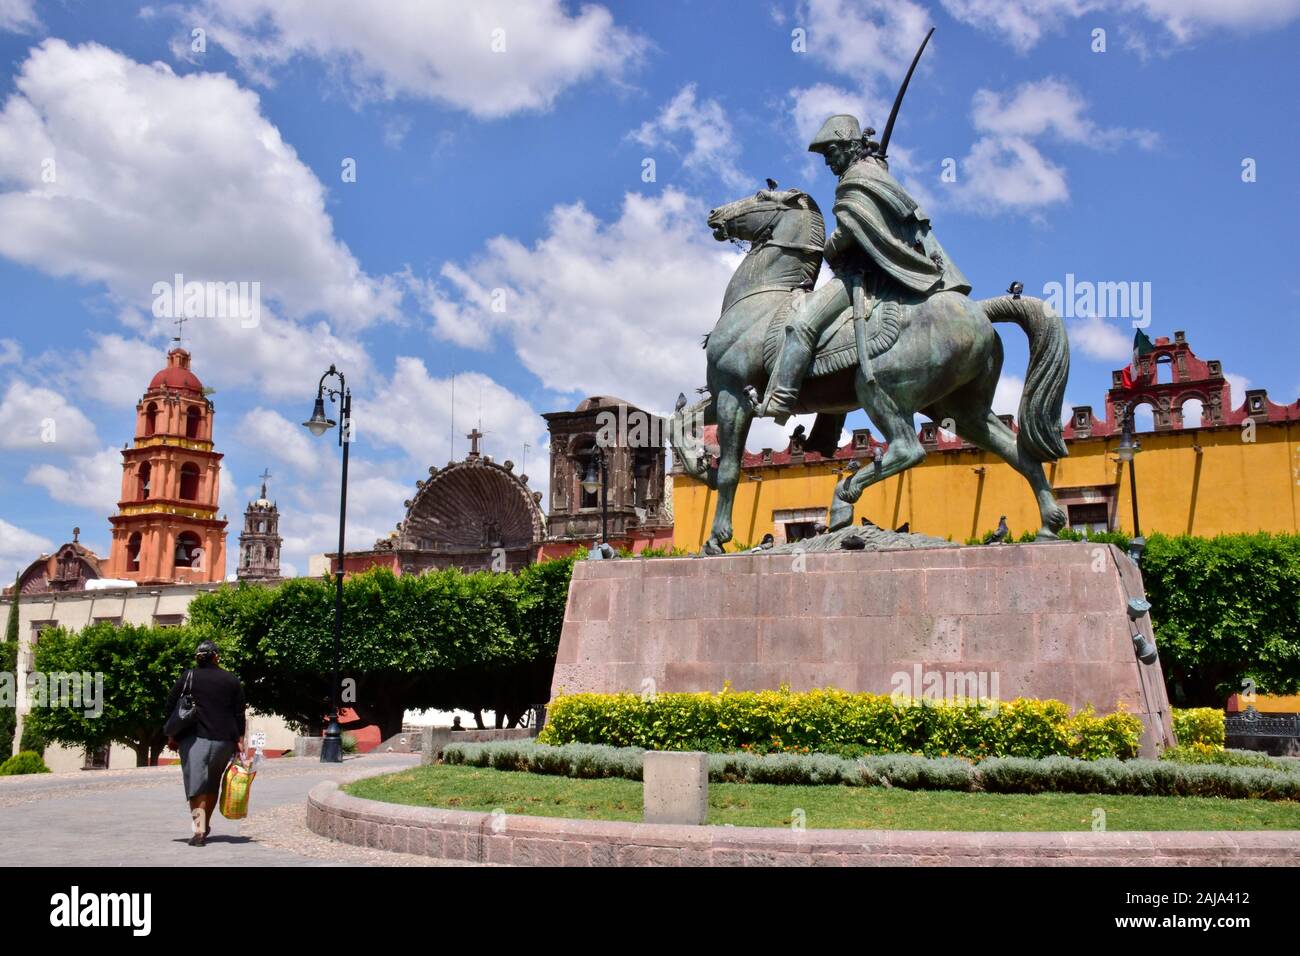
(216, 733)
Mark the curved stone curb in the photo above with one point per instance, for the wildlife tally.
(552, 841)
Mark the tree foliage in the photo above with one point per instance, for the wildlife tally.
(1225, 610)
(139, 666)
(444, 639)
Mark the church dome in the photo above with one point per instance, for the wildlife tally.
(601, 401)
(177, 374)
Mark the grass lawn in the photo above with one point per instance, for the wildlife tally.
(825, 807)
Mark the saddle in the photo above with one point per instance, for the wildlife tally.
(836, 349)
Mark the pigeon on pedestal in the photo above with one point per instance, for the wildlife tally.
(1000, 535)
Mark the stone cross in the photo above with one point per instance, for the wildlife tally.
(473, 437)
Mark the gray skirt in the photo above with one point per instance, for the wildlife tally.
(203, 762)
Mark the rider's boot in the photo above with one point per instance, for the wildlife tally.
(791, 366)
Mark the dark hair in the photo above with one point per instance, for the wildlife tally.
(206, 655)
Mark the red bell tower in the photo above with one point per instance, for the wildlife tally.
(166, 530)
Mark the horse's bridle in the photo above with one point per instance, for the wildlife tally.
(763, 235)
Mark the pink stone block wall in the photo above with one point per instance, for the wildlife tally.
(1032, 620)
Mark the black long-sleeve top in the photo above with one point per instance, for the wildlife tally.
(220, 699)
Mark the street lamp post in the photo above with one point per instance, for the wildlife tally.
(331, 750)
(1129, 446)
(590, 483)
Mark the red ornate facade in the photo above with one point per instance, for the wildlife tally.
(166, 529)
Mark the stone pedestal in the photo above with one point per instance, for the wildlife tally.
(1034, 620)
(675, 787)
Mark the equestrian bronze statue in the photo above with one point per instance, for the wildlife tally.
(894, 332)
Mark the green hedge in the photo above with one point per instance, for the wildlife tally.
(24, 762)
(822, 720)
(994, 775)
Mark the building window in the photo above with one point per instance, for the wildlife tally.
(189, 481)
(168, 620)
(1089, 518)
(151, 419)
(97, 758)
(796, 524)
(144, 474)
(189, 550)
(37, 628)
(192, 422)
(115, 621)
(800, 530)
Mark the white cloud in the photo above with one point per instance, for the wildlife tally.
(1023, 23)
(413, 411)
(1187, 18)
(39, 418)
(130, 142)
(395, 131)
(1006, 397)
(1097, 338)
(11, 353)
(90, 481)
(19, 548)
(436, 51)
(1005, 170)
(281, 440)
(712, 142)
(1237, 385)
(1048, 105)
(606, 281)
(19, 16)
(872, 41)
(1007, 174)
(117, 370)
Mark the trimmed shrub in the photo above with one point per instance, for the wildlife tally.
(783, 721)
(25, 762)
(908, 772)
(1209, 754)
(1198, 725)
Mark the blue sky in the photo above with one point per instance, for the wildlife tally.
(499, 227)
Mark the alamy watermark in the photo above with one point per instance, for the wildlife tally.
(75, 691)
(208, 300)
(914, 687)
(1084, 299)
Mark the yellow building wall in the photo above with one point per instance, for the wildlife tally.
(1230, 485)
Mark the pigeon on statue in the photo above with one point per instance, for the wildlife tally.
(1000, 535)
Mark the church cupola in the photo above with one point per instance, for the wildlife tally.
(166, 529)
(260, 541)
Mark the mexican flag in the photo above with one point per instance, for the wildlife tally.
(1141, 346)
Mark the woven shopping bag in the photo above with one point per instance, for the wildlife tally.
(236, 786)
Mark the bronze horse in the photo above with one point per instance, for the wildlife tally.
(945, 364)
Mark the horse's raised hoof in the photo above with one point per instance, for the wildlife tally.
(712, 548)
(1046, 534)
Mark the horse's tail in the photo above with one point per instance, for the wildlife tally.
(1049, 366)
(686, 435)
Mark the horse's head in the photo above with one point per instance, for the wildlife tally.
(788, 218)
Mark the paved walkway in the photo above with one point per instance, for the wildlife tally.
(139, 817)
